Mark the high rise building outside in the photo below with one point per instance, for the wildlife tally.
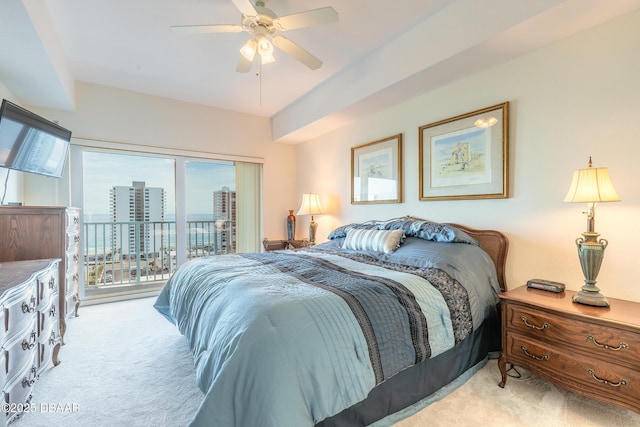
(224, 216)
(137, 203)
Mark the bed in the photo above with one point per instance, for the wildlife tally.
(364, 329)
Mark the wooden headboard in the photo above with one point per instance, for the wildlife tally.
(496, 245)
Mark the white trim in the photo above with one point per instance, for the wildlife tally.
(119, 297)
(149, 149)
(181, 209)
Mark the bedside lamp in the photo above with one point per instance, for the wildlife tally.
(591, 185)
(311, 206)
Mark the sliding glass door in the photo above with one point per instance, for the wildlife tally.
(146, 214)
(210, 208)
(129, 228)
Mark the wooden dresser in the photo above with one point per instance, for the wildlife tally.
(46, 232)
(29, 330)
(593, 351)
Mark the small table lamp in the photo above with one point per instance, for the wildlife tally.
(311, 206)
(591, 185)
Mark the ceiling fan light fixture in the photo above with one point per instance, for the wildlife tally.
(265, 49)
(267, 58)
(249, 49)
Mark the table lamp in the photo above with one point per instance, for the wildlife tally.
(311, 206)
(591, 185)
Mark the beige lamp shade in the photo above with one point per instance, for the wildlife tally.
(310, 204)
(591, 185)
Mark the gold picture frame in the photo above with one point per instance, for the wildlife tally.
(466, 156)
(376, 171)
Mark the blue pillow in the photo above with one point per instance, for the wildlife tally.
(412, 227)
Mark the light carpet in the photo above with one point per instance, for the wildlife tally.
(124, 365)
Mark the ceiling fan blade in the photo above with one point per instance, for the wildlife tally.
(244, 65)
(206, 28)
(297, 52)
(324, 15)
(245, 7)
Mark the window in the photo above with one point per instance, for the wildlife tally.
(211, 207)
(146, 214)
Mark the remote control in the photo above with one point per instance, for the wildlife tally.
(546, 285)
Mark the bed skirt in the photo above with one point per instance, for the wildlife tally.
(402, 391)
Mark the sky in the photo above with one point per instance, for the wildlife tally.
(102, 171)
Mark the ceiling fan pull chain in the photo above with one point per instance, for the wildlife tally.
(259, 74)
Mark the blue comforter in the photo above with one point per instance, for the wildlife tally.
(289, 338)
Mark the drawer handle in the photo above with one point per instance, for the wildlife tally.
(600, 380)
(33, 375)
(29, 308)
(621, 346)
(533, 356)
(545, 325)
(28, 345)
(52, 282)
(52, 311)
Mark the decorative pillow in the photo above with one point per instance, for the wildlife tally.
(385, 241)
(412, 227)
(342, 231)
(428, 230)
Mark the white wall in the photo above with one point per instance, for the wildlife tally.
(124, 117)
(574, 99)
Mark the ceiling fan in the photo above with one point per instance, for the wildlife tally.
(264, 25)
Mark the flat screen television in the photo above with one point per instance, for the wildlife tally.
(31, 143)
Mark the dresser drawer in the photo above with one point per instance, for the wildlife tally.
(579, 373)
(605, 342)
(72, 284)
(48, 319)
(3, 375)
(17, 391)
(46, 352)
(3, 331)
(72, 258)
(20, 307)
(71, 301)
(73, 241)
(19, 350)
(47, 285)
(73, 219)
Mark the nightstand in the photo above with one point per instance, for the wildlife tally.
(277, 245)
(593, 351)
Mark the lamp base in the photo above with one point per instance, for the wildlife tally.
(591, 298)
(591, 253)
(313, 226)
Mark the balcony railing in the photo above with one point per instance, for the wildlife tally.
(144, 252)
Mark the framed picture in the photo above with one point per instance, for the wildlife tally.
(376, 171)
(465, 157)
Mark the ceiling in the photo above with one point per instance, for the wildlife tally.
(378, 54)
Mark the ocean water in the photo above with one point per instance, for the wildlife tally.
(98, 230)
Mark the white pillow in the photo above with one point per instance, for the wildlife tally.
(385, 241)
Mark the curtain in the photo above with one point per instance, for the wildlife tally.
(248, 206)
